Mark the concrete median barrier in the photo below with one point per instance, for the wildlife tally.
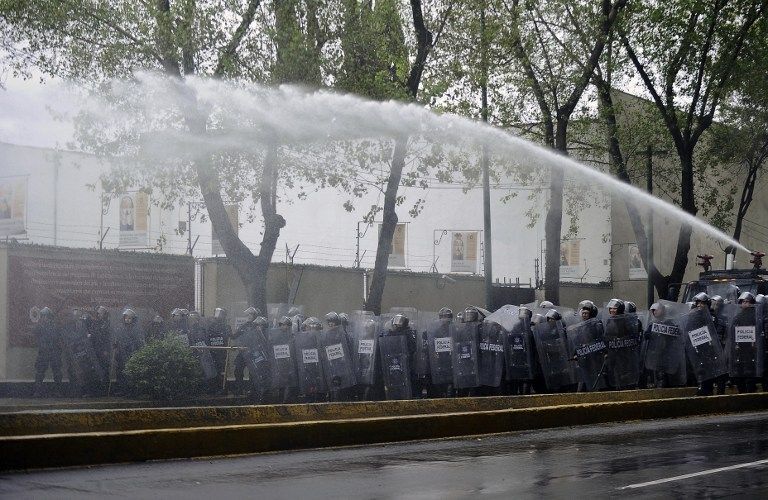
(85, 448)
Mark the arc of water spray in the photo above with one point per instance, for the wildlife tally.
(294, 114)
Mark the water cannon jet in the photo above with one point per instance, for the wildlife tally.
(705, 262)
(757, 259)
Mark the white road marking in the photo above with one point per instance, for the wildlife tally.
(702, 473)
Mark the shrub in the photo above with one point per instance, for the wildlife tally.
(164, 369)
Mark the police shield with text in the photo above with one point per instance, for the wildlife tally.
(198, 340)
(590, 352)
(466, 375)
(744, 345)
(219, 333)
(621, 331)
(491, 347)
(364, 336)
(664, 345)
(395, 356)
(312, 386)
(336, 357)
(556, 365)
(520, 353)
(282, 352)
(703, 349)
(422, 379)
(440, 335)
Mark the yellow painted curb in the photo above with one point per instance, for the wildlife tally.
(72, 421)
(57, 450)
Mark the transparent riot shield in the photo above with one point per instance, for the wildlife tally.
(556, 365)
(258, 359)
(589, 350)
(395, 366)
(664, 345)
(621, 333)
(309, 365)
(702, 347)
(365, 334)
(282, 359)
(745, 339)
(421, 342)
(440, 335)
(465, 355)
(519, 352)
(336, 358)
(491, 354)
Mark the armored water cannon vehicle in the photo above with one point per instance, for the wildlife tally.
(728, 282)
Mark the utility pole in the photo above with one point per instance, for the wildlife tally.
(488, 259)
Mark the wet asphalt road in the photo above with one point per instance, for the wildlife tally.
(600, 461)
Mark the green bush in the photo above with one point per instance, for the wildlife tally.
(164, 369)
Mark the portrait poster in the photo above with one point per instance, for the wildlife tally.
(464, 251)
(134, 219)
(13, 206)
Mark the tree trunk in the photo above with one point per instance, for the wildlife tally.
(746, 199)
(617, 160)
(553, 225)
(688, 203)
(388, 226)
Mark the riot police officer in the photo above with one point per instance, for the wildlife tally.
(396, 353)
(101, 339)
(337, 360)
(244, 337)
(156, 329)
(218, 334)
(48, 350)
(282, 358)
(128, 339)
(85, 373)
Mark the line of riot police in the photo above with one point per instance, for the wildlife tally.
(532, 348)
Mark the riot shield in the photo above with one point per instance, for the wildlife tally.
(590, 351)
(519, 352)
(197, 339)
(421, 341)
(395, 366)
(664, 345)
(440, 335)
(621, 334)
(465, 357)
(337, 361)
(556, 365)
(277, 311)
(745, 339)
(310, 368)
(282, 359)
(365, 333)
(702, 347)
(491, 354)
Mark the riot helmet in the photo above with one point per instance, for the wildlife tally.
(46, 312)
(587, 309)
(261, 322)
(129, 316)
(460, 316)
(293, 311)
(716, 303)
(176, 312)
(220, 313)
(553, 315)
(399, 321)
(157, 319)
(761, 299)
(344, 319)
(251, 312)
(314, 324)
(332, 319)
(630, 307)
(284, 321)
(523, 313)
(445, 313)
(471, 314)
(102, 312)
(746, 298)
(657, 310)
(702, 300)
(615, 307)
(545, 304)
